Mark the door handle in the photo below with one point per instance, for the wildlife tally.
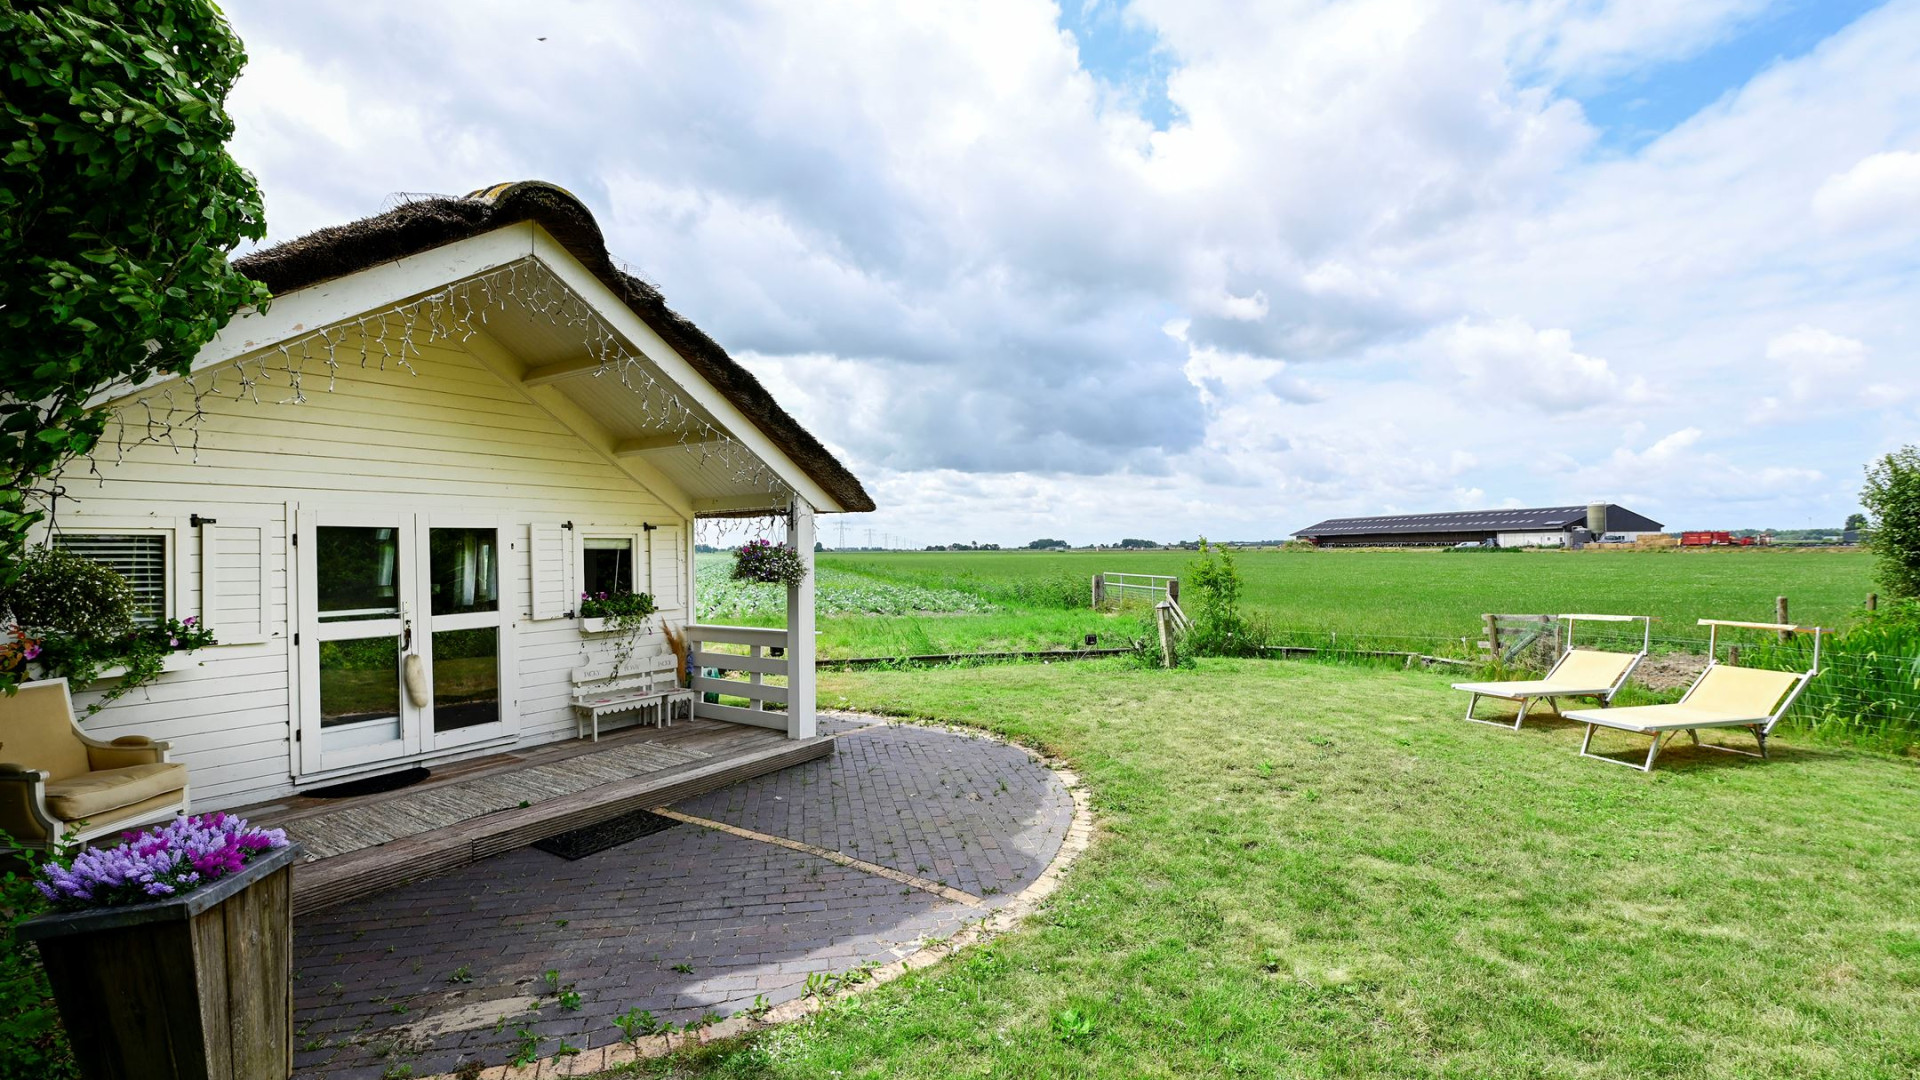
(406, 635)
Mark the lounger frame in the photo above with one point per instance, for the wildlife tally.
(1606, 696)
(1761, 727)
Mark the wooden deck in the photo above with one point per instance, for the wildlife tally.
(473, 809)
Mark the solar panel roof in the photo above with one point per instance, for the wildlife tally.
(1479, 521)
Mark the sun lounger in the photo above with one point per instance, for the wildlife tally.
(1578, 673)
(1724, 696)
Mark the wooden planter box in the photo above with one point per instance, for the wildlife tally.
(197, 987)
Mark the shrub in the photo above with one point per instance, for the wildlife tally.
(75, 618)
(1868, 690)
(32, 1042)
(60, 593)
(1212, 588)
(1892, 499)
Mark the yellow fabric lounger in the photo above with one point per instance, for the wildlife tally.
(1578, 673)
(1723, 696)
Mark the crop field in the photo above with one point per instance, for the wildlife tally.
(890, 604)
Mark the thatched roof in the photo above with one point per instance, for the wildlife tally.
(429, 223)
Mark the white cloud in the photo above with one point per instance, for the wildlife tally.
(1815, 369)
(984, 279)
(1508, 362)
(1881, 191)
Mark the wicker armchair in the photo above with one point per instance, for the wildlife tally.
(57, 783)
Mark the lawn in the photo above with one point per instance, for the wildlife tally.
(1319, 871)
(934, 602)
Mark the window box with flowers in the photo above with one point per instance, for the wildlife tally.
(615, 613)
(171, 953)
(72, 617)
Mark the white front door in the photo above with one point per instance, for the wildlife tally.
(404, 639)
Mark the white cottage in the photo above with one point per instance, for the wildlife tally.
(453, 419)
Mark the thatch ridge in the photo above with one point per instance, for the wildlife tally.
(426, 223)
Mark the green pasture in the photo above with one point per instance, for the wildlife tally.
(934, 602)
(1312, 870)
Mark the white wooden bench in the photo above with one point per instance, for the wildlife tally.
(652, 690)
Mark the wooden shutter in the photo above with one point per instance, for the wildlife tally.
(663, 556)
(236, 594)
(550, 550)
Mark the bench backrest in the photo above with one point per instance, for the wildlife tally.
(36, 730)
(640, 676)
(1741, 691)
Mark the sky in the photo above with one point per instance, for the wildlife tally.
(1166, 268)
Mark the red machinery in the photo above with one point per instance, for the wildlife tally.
(1716, 539)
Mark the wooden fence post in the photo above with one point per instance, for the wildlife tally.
(1493, 637)
(1873, 601)
(1164, 617)
(1099, 591)
(1780, 611)
(1173, 589)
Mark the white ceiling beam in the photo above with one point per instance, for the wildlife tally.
(544, 374)
(555, 403)
(730, 504)
(647, 444)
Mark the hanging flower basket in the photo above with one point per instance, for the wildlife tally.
(764, 561)
(147, 936)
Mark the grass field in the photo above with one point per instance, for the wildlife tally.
(932, 602)
(1313, 870)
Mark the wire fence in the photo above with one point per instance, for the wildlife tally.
(1867, 692)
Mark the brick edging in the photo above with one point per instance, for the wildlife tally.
(1003, 919)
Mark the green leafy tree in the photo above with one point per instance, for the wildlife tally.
(118, 206)
(1892, 499)
(1211, 588)
(1856, 521)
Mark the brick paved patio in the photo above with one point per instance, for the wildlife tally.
(683, 923)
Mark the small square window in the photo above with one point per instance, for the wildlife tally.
(607, 565)
(141, 558)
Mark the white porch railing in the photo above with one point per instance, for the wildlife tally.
(756, 663)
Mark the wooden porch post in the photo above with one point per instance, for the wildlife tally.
(800, 645)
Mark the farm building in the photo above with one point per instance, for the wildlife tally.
(1547, 526)
(387, 493)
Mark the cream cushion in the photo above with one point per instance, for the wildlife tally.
(89, 795)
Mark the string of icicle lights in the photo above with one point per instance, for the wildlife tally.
(394, 336)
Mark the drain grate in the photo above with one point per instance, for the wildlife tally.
(580, 843)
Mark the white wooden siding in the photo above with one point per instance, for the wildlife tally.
(454, 438)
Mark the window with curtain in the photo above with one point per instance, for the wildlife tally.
(607, 565)
(141, 558)
(465, 564)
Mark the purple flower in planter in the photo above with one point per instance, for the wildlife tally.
(163, 861)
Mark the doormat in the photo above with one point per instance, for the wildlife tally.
(372, 785)
(594, 839)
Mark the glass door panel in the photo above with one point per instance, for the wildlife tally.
(466, 678)
(360, 691)
(357, 570)
(465, 565)
(467, 632)
(354, 584)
